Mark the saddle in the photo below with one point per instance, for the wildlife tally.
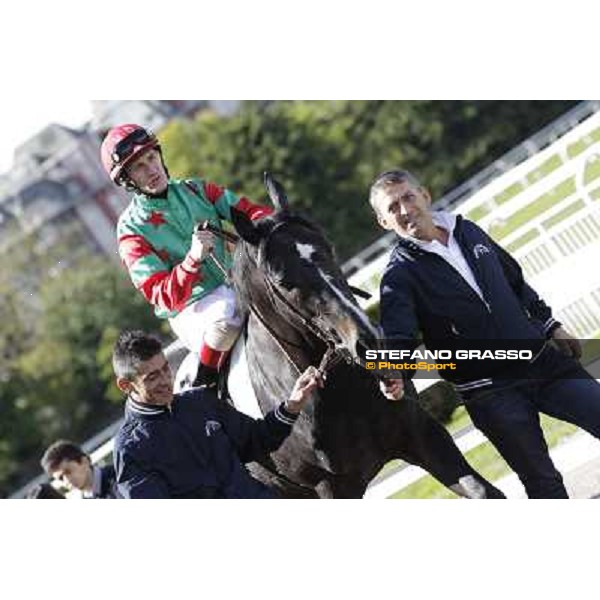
(234, 383)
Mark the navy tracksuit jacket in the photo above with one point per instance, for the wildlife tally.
(421, 292)
(196, 448)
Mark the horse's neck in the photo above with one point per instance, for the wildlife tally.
(273, 366)
(298, 346)
(293, 339)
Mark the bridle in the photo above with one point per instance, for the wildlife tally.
(335, 352)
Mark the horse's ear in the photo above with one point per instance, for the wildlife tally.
(276, 192)
(247, 229)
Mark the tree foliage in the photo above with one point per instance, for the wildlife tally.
(56, 378)
(327, 153)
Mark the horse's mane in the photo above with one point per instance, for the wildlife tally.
(244, 261)
(245, 256)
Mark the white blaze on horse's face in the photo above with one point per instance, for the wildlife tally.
(305, 251)
(349, 306)
(350, 315)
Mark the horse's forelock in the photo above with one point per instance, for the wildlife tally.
(246, 255)
(309, 224)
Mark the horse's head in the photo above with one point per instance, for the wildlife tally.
(288, 262)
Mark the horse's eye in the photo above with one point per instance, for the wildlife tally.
(276, 275)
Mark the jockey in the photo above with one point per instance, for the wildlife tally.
(170, 263)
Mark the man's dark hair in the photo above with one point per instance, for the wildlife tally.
(44, 491)
(59, 451)
(132, 349)
(388, 178)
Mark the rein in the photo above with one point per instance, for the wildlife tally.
(224, 235)
(334, 353)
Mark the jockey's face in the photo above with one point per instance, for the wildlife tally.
(405, 209)
(148, 173)
(153, 383)
(75, 474)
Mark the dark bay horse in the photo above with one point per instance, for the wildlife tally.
(302, 312)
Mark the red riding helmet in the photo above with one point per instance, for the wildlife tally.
(123, 144)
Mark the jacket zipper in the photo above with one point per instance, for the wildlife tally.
(458, 234)
(471, 290)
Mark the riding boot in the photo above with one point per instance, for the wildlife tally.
(206, 377)
(208, 369)
(222, 391)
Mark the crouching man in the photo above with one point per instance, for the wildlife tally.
(190, 445)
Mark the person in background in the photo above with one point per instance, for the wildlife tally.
(69, 464)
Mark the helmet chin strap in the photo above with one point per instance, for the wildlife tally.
(130, 186)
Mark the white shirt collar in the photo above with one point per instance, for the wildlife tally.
(450, 252)
(442, 219)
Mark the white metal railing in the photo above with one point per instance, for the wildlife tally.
(530, 147)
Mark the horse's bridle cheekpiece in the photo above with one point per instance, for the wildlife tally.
(334, 352)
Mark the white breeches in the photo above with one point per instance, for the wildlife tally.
(213, 320)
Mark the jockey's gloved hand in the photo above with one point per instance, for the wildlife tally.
(203, 243)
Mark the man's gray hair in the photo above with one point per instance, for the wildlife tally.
(387, 179)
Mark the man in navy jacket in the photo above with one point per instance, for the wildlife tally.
(450, 282)
(190, 445)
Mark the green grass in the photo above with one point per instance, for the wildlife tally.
(389, 467)
(523, 239)
(592, 171)
(460, 420)
(544, 169)
(580, 145)
(510, 192)
(533, 209)
(486, 461)
(374, 281)
(563, 214)
(478, 212)
(590, 350)
(373, 312)
(549, 165)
